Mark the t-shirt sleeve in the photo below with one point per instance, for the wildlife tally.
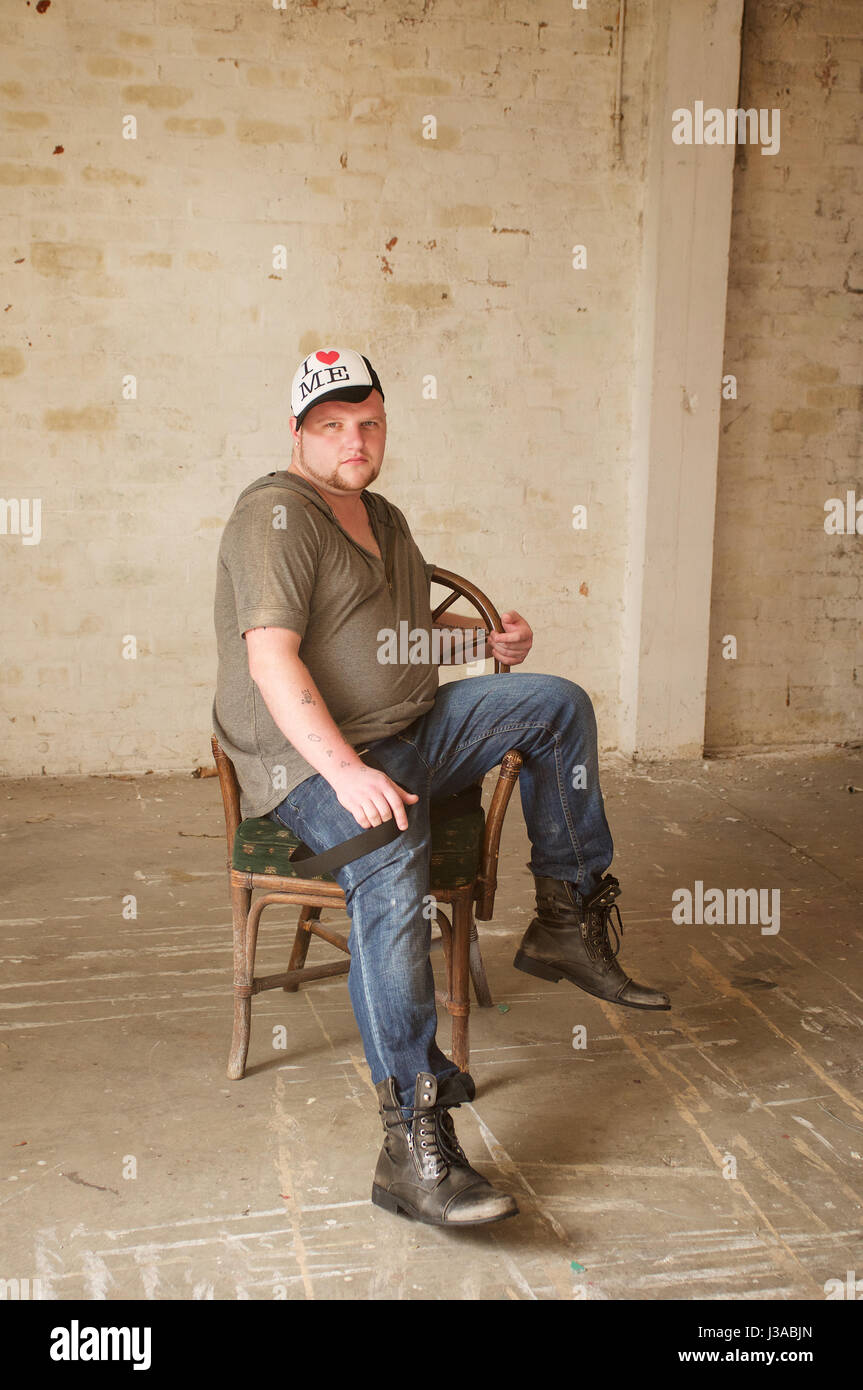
(273, 561)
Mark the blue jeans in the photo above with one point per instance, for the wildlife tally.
(471, 725)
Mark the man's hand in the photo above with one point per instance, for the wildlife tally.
(371, 796)
(511, 646)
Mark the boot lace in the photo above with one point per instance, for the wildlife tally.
(451, 1137)
(598, 909)
(426, 1132)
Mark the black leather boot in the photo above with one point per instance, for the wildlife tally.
(422, 1170)
(569, 940)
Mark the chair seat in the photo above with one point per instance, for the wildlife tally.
(263, 847)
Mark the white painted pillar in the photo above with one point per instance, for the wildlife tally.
(679, 347)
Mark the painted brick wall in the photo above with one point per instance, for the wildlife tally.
(789, 592)
(451, 257)
(303, 128)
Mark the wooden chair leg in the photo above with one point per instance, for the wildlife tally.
(302, 941)
(477, 970)
(241, 899)
(445, 929)
(459, 984)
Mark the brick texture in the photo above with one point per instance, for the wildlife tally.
(789, 592)
(302, 127)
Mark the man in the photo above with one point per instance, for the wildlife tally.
(313, 571)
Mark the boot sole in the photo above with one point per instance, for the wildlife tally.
(382, 1198)
(530, 966)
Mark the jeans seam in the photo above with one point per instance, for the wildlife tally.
(357, 953)
(576, 844)
(371, 1013)
(496, 729)
(412, 745)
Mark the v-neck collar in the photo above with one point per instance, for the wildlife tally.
(382, 530)
(373, 523)
(372, 520)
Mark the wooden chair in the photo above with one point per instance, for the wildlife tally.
(464, 855)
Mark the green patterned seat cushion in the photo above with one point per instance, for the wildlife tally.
(263, 847)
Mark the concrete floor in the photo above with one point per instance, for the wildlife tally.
(114, 1034)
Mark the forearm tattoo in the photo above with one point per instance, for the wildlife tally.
(316, 738)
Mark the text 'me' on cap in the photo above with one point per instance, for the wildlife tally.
(332, 374)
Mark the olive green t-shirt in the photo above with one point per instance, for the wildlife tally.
(285, 561)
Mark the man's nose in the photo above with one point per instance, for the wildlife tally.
(353, 437)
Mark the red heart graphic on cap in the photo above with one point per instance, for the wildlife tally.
(328, 357)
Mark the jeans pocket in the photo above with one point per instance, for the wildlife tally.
(280, 819)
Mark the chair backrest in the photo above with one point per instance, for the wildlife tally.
(230, 791)
(463, 588)
(228, 781)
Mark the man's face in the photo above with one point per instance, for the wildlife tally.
(340, 445)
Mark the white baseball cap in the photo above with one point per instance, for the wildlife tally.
(332, 374)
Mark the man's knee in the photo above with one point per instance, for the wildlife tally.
(558, 692)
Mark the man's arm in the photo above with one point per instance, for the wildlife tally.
(299, 711)
(294, 701)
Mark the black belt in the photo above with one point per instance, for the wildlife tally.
(459, 804)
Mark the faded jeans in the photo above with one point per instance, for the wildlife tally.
(471, 725)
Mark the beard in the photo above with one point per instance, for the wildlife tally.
(334, 479)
